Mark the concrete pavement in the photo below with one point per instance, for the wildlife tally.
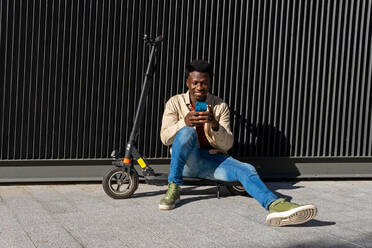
(81, 215)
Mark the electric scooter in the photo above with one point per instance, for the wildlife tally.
(122, 180)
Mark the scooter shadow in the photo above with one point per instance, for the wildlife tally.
(212, 191)
(186, 190)
(200, 194)
(148, 194)
(209, 192)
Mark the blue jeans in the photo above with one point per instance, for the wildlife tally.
(190, 161)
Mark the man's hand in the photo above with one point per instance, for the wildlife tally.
(194, 118)
(199, 118)
(214, 124)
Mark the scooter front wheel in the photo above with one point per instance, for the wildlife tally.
(117, 187)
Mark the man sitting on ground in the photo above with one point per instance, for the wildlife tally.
(200, 141)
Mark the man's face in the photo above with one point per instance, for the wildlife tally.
(198, 84)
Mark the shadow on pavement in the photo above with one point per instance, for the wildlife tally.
(359, 240)
(212, 190)
(148, 194)
(315, 222)
(210, 193)
(192, 199)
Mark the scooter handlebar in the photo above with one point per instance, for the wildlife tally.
(159, 38)
(153, 41)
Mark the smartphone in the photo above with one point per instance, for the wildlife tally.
(200, 106)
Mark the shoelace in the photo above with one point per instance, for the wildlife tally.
(170, 192)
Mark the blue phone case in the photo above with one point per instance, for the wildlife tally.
(200, 106)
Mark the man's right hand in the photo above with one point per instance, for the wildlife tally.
(196, 118)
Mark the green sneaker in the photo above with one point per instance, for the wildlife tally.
(171, 198)
(283, 213)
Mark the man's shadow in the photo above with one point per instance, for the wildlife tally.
(267, 149)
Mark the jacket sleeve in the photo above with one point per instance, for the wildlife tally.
(170, 124)
(223, 139)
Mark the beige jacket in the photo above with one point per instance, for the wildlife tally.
(179, 106)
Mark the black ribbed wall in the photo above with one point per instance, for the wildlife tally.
(296, 74)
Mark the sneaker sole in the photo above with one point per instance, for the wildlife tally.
(168, 207)
(294, 216)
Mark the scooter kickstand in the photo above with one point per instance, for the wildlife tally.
(218, 190)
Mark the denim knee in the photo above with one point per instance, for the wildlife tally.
(186, 135)
(245, 167)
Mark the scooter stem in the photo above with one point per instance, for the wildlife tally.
(141, 105)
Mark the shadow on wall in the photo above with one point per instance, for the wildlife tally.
(264, 146)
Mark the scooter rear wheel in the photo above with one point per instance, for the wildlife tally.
(237, 190)
(117, 189)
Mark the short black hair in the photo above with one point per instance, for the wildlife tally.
(200, 66)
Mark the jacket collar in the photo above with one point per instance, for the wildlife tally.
(186, 98)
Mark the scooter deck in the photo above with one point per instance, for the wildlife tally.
(161, 179)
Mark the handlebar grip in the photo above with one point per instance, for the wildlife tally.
(159, 38)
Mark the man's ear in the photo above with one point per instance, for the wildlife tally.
(187, 83)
